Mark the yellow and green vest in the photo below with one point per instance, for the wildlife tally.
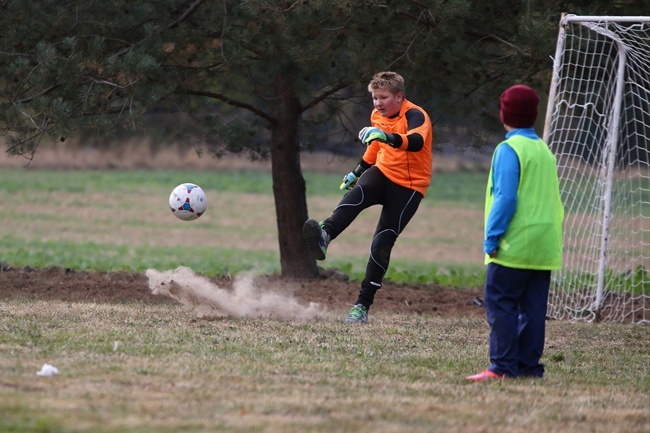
(533, 239)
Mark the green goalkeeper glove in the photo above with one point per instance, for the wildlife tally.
(370, 133)
(350, 179)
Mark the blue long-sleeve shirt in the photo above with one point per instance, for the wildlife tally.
(505, 182)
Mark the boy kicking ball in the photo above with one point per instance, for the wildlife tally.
(394, 172)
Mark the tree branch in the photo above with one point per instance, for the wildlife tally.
(193, 7)
(328, 92)
(503, 41)
(232, 102)
(32, 97)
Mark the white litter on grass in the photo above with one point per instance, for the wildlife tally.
(246, 299)
(47, 370)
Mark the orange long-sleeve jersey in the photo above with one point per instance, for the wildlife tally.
(408, 165)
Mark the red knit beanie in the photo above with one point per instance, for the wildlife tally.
(519, 106)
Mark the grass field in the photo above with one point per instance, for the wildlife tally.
(135, 368)
(119, 220)
(158, 368)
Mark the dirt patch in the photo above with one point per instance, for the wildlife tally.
(125, 287)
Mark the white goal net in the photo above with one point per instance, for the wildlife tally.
(598, 126)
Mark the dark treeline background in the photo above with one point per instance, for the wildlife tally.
(268, 78)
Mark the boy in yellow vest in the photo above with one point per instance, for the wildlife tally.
(523, 240)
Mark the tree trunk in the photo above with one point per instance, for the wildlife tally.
(289, 188)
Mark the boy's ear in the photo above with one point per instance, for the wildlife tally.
(399, 96)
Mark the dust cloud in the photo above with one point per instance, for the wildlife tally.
(245, 299)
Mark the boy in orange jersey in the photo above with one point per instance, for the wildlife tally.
(395, 172)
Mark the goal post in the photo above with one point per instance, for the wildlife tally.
(598, 126)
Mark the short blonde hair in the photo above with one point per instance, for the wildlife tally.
(391, 81)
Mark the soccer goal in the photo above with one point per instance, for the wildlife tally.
(598, 126)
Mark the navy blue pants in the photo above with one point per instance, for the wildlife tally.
(515, 304)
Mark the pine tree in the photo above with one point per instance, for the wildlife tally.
(256, 76)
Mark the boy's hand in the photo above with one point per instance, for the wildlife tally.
(370, 133)
(349, 181)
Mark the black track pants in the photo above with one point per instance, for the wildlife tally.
(399, 204)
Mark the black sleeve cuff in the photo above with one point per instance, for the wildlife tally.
(363, 166)
(394, 140)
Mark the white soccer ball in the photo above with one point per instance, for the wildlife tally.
(188, 201)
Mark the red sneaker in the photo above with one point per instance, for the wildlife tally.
(485, 375)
